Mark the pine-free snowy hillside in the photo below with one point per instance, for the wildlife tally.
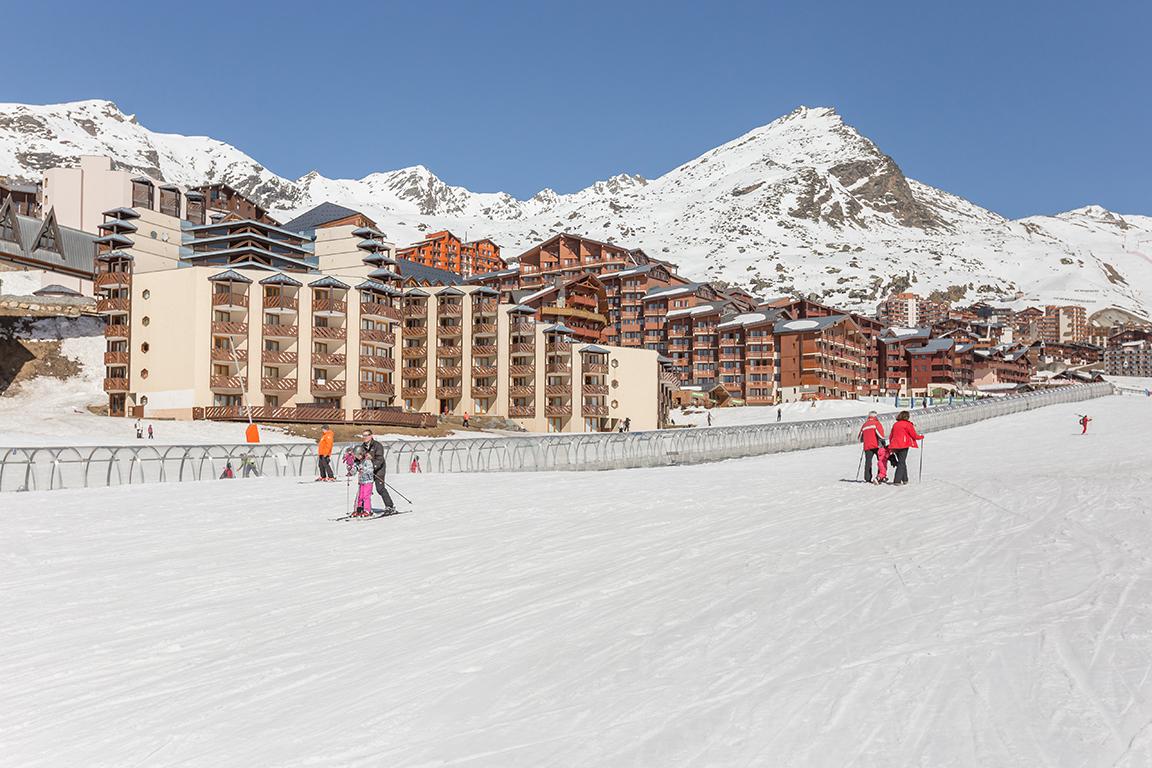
(804, 204)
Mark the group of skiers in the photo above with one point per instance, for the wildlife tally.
(890, 449)
(365, 463)
(140, 431)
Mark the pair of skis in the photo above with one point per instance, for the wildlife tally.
(374, 516)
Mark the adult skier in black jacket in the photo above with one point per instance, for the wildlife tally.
(375, 452)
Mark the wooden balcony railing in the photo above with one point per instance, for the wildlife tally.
(116, 358)
(561, 367)
(228, 382)
(444, 393)
(483, 329)
(319, 332)
(378, 362)
(377, 335)
(557, 390)
(414, 331)
(116, 331)
(376, 387)
(522, 411)
(483, 350)
(414, 373)
(290, 303)
(414, 310)
(528, 349)
(115, 385)
(279, 331)
(229, 299)
(329, 386)
(449, 371)
(229, 329)
(449, 331)
(594, 389)
(483, 371)
(449, 310)
(413, 393)
(484, 307)
(331, 306)
(113, 306)
(522, 326)
(269, 384)
(558, 410)
(521, 391)
(328, 360)
(522, 370)
(558, 348)
(225, 355)
(414, 353)
(487, 390)
(278, 358)
(595, 410)
(317, 415)
(375, 309)
(112, 280)
(595, 368)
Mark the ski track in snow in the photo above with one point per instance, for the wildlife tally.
(744, 613)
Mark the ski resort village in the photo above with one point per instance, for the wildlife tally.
(777, 458)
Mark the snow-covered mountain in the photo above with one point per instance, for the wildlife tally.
(804, 204)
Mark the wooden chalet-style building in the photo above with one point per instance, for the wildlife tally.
(444, 250)
(821, 357)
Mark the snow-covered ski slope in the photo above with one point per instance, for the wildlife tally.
(759, 612)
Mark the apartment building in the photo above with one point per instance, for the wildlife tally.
(821, 357)
(25, 197)
(1129, 353)
(580, 302)
(1064, 324)
(893, 364)
(932, 368)
(1002, 365)
(910, 309)
(625, 290)
(869, 326)
(444, 250)
(748, 355)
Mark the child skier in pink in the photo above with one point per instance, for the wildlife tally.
(882, 454)
(365, 479)
(350, 461)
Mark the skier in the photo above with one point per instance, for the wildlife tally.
(248, 466)
(465, 419)
(709, 418)
(150, 432)
(364, 478)
(374, 454)
(1084, 424)
(139, 430)
(227, 474)
(414, 467)
(628, 424)
(349, 462)
(324, 450)
(882, 457)
(872, 436)
(904, 436)
(779, 414)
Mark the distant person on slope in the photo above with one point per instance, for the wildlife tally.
(779, 414)
(904, 436)
(1084, 424)
(324, 451)
(374, 453)
(872, 436)
(150, 435)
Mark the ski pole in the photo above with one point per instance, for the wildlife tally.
(920, 479)
(860, 464)
(398, 493)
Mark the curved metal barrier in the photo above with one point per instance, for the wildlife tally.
(27, 469)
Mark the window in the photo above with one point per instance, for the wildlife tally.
(146, 294)
(144, 347)
(145, 321)
(143, 373)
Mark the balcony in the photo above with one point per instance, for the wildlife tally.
(522, 349)
(449, 310)
(454, 351)
(595, 410)
(557, 390)
(414, 310)
(483, 371)
(522, 391)
(228, 383)
(375, 309)
(112, 280)
(414, 353)
(278, 358)
(447, 393)
(377, 335)
(116, 358)
(595, 389)
(558, 348)
(414, 372)
(118, 306)
(378, 362)
(320, 332)
(376, 388)
(228, 300)
(115, 385)
(414, 393)
(415, 331)
(522, 370)
(483, 350)
(449, 371)
(486, 390)
(483, 329)
(483, 307)
(560, 368)
(329, 386)
(522, 326)
(329, 307)
(449, 331)
(558, 410)
(281, 303)
(269, 384)
(595, 368)
(522, 411)
(225, 355)
(116, 331)
(222, 328)
(326, 359)
(280, 331)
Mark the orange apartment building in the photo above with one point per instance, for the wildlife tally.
(821, 357)
(443, 250)
(748, 356)
(580, 303)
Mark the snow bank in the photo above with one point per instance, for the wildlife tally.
(754, 612)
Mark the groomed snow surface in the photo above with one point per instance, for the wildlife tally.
(760, 612)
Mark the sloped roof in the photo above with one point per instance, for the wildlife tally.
(422, 273)
(76, 252)
(328, 282)
(280, 279)
(325, 213)
(808, 324)
(931, 347)
(229, 275)
(56, 290)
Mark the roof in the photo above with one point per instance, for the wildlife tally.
(76, 252)
(902, 334)
(520, 309)
(322, 214)
(56, 290)
(750, 318)
(229, 276)
(808, 324)
(485, 291)
(122, 213)
(328, 282)
(485, 275)
(379, 287)
(425, 274)
(931, 347)
(558, 328)
(367, 232)
(383, 274)
(280, 279)
(592, 349)
(674, 290)
(416, 292)
(453, 291)
(700, 309)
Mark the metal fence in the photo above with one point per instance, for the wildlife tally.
(86, 467)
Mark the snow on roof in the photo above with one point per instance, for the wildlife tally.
(932, 346)
(701, 309)
(908, 333)
(673, 291)
(748, 318)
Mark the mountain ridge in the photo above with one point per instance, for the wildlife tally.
(804, 204)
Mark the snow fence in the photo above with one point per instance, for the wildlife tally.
(26, 469)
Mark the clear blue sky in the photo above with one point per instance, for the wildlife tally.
(1021, 106)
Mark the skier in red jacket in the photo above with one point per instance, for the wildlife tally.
(1084, 424)
(872, 435)
(904, 436)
